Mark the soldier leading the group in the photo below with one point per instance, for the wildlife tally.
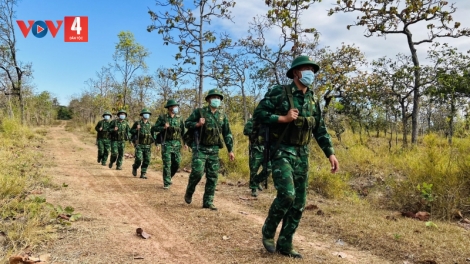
(142, 137)
(211, 130)
(170, 127)
(119, 133)
(293, 117)
(102, 138)
(255, 133)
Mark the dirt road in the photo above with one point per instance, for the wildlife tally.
(114, 203)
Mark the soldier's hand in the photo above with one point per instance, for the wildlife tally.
(116, 128)
(138, 126)
(101, 128)
(185, 147)
(334, 163)
(201, 122)
(166, 126)
(231, 156)
(292, 115)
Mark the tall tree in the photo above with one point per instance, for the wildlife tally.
(287, 15)
(383, 17)
(194, 38)
(9, 62)
(129, 56)
(453, 81)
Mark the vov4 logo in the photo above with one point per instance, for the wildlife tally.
(75, 28)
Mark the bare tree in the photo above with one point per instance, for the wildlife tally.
(9, 63)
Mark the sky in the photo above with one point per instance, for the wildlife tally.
(63, 67)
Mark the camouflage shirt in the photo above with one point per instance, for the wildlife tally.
(145, 136)
(104, 125)
(175, 130)
(276, 103)
(123, 132)
(216, 124)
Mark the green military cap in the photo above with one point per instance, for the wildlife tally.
(171, 102)
(107, 113)
(145, 111)
(302, 60)
(215, 92)
(122, 111)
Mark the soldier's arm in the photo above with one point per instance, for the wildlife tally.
(264, 112)
(133, 130)
(159, 125)
(248, 127)
(182, 127)
(111, 126)
(192, 120)
(227, 133)
(98, 126)
(321, 134)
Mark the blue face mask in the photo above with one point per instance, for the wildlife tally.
(307, 77)
(107, 117)
(122, 117)
(215, 102)
(146, 116)
(175, 110)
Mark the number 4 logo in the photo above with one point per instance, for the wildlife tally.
(76, 29)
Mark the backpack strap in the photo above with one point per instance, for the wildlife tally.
(288, 91)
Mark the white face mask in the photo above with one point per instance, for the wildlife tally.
(146, 116)
(107, 117)
(175, 110)
(122, 116)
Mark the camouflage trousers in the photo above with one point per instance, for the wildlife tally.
(171, 157)
(104, 147)
(117, 152)
(255, 162)
(205, 159)
(142, 157)
(290, 176)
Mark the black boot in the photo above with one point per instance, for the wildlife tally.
(268, 244)
(142, 176)
(134, 171)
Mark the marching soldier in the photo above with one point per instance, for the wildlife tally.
(211, 130)
(256, 149)
(120, 133)
(103, 142)
(294, 117)
(170, 129)
(142, 137)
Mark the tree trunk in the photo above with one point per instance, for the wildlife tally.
(417, 86)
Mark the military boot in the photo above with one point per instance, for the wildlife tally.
(259, 187)
(142, 176)
(118, 168)
(99, 159)
(188, 198)
(254, 192)
(134, 171)
(210, 206)
(290, 253)
(268, 244)
(110, 164)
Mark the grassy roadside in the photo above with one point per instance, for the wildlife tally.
(26, 219)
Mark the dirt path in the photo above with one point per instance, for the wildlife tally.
(114, 203)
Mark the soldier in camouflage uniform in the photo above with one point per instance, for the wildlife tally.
(119, 131)
(213, 130)
(103, 142)
(293, 127)
(142, 134)
(170, 127)
(255, 134)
